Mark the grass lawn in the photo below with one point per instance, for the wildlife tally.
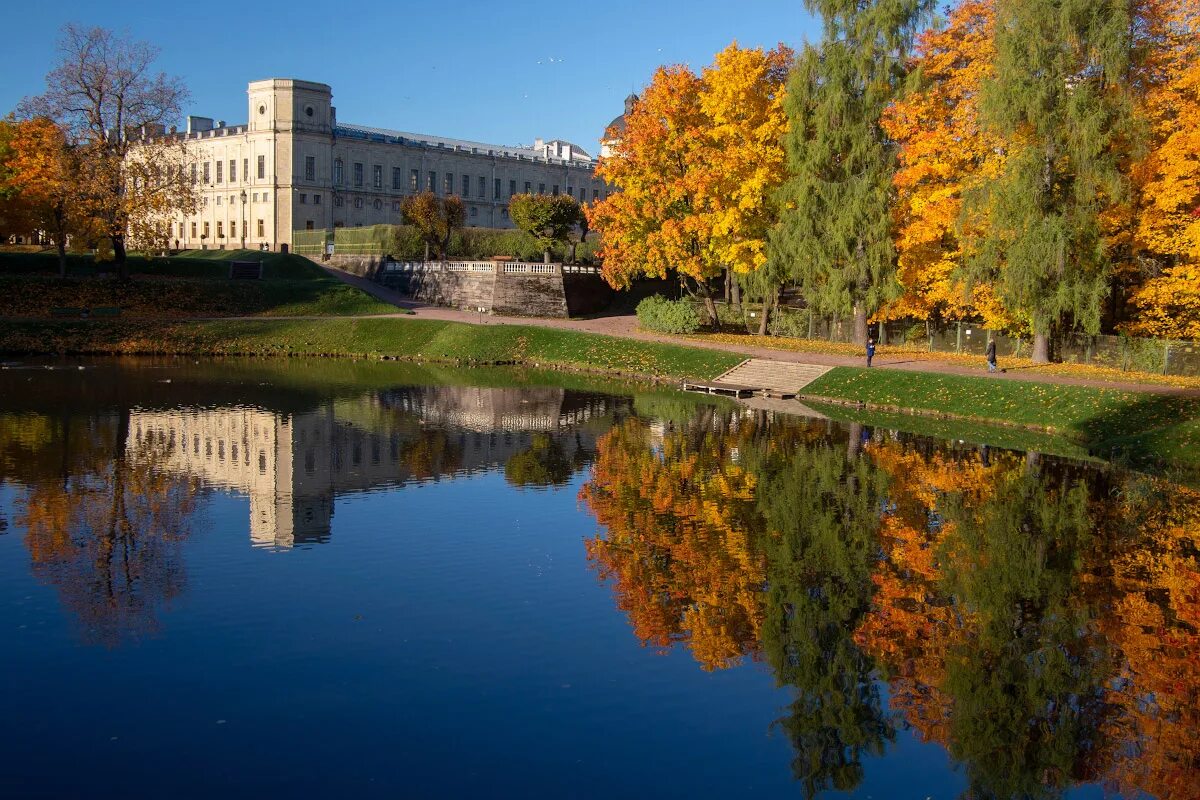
(194, 283)
(409, 339)
(1146, 429)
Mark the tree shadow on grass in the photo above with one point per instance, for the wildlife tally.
(1157, 433)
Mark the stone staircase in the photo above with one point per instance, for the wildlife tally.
(761, 376)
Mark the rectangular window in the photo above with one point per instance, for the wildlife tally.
(260, 229)
(308, 225)
(377, 176)
(466, 186)
(448, 184)
(220, 169)
(303, 199)
(571, 191)
(232, 229)
(245, 169)
(512, 188)
(414, 180)
(310, 168)
(595, 194)
(193, 230)
(207, 174)
(220, 229)
(262, 167)
(206, 230)
(233, 170)
(337, 172)
(474, 211)
(431, 186)
(582, 194)
(358, 173)
(193, 174)
(528, 187)
(541, 188)
(482, 187)
(496, 189)
(397, 179)
(555, 190)
(316, 199)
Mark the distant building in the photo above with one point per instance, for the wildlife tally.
(616, 128)
(293, 166)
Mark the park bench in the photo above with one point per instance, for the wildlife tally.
(68, 311)
(245, 270)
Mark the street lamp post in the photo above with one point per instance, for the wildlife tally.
(243, 219)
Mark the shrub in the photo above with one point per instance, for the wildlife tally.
(657, 313)
(788, 323)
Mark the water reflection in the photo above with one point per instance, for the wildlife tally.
(1039, 619)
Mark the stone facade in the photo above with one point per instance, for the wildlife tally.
(293, 166)
(509, 289)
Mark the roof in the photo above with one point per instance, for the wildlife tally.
(618, 124)
(405, 137)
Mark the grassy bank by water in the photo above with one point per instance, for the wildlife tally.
(1146, 429)
(408, 339)
(192, 284)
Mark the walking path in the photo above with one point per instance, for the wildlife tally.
(625, 326)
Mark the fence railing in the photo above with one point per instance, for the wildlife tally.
(496, 267)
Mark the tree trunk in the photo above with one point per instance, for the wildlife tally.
(860, 324)
(710, 307)
(1041, 348)
(546, 256)
(62, 257)
(768, 302)
(727, 289)
(427, 250)
(882, 333)
(120, 256)
(854, 444)
(574, 245)
(735, 293)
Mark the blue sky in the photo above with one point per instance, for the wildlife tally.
(467, 69)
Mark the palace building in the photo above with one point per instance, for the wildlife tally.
(293, 166)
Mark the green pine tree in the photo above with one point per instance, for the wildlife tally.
(835, 230)
(1058, 99)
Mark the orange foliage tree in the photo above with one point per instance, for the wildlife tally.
(943, 150)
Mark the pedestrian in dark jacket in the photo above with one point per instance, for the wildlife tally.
(991, 355)
(870, 350)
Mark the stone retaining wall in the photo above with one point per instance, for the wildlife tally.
(520, 290)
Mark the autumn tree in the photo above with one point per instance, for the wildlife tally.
(742, 98)
(1167, 180)
(651, 225)
(43, 171)
(943, 153)
(1056, 98)
(435, 218)
(114, 109)
(550, 219)
(836, 229)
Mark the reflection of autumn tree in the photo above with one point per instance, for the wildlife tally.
(1155, 622)
(543, 463)
(679, 522)
(431, 453)
(822, 512)
(1028, 681)
(106, 531)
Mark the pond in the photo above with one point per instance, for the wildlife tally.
(347, 579)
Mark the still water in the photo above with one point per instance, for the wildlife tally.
(316, 579)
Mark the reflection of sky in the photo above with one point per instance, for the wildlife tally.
(448, 638)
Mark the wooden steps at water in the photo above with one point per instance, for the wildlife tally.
(782, 379)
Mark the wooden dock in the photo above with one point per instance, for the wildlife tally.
(760, 376)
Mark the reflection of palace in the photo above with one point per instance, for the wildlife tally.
(291, 466)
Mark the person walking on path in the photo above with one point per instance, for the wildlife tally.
(991, 354)
(870, 351)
